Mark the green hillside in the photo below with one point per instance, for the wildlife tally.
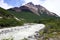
(29, 16)
(8, 19)
(5, 13)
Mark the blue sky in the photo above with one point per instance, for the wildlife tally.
(51, 5)
(14, 2)
(19, 2)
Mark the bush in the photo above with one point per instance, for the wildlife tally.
(10, 22)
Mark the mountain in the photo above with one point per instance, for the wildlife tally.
(36, 9)
(31, 12)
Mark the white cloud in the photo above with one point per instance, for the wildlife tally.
(4, 5)
(51, 5)
(33, 1)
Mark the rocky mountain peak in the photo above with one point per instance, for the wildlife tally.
(32, 7)
(36, 9)
(30, 3)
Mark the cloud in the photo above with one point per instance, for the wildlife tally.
(53, 6)
(4, 5)
(33, 1)
(36, 2)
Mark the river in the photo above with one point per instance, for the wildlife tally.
(21, 32)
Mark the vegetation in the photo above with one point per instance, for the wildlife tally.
(8, 19)
(29, 16)
(4, 13)
(9, 22)
(8, 39)
(25, 39)
(52, 28)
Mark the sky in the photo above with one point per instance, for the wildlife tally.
(51, 5)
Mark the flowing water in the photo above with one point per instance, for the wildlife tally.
(21, 32)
